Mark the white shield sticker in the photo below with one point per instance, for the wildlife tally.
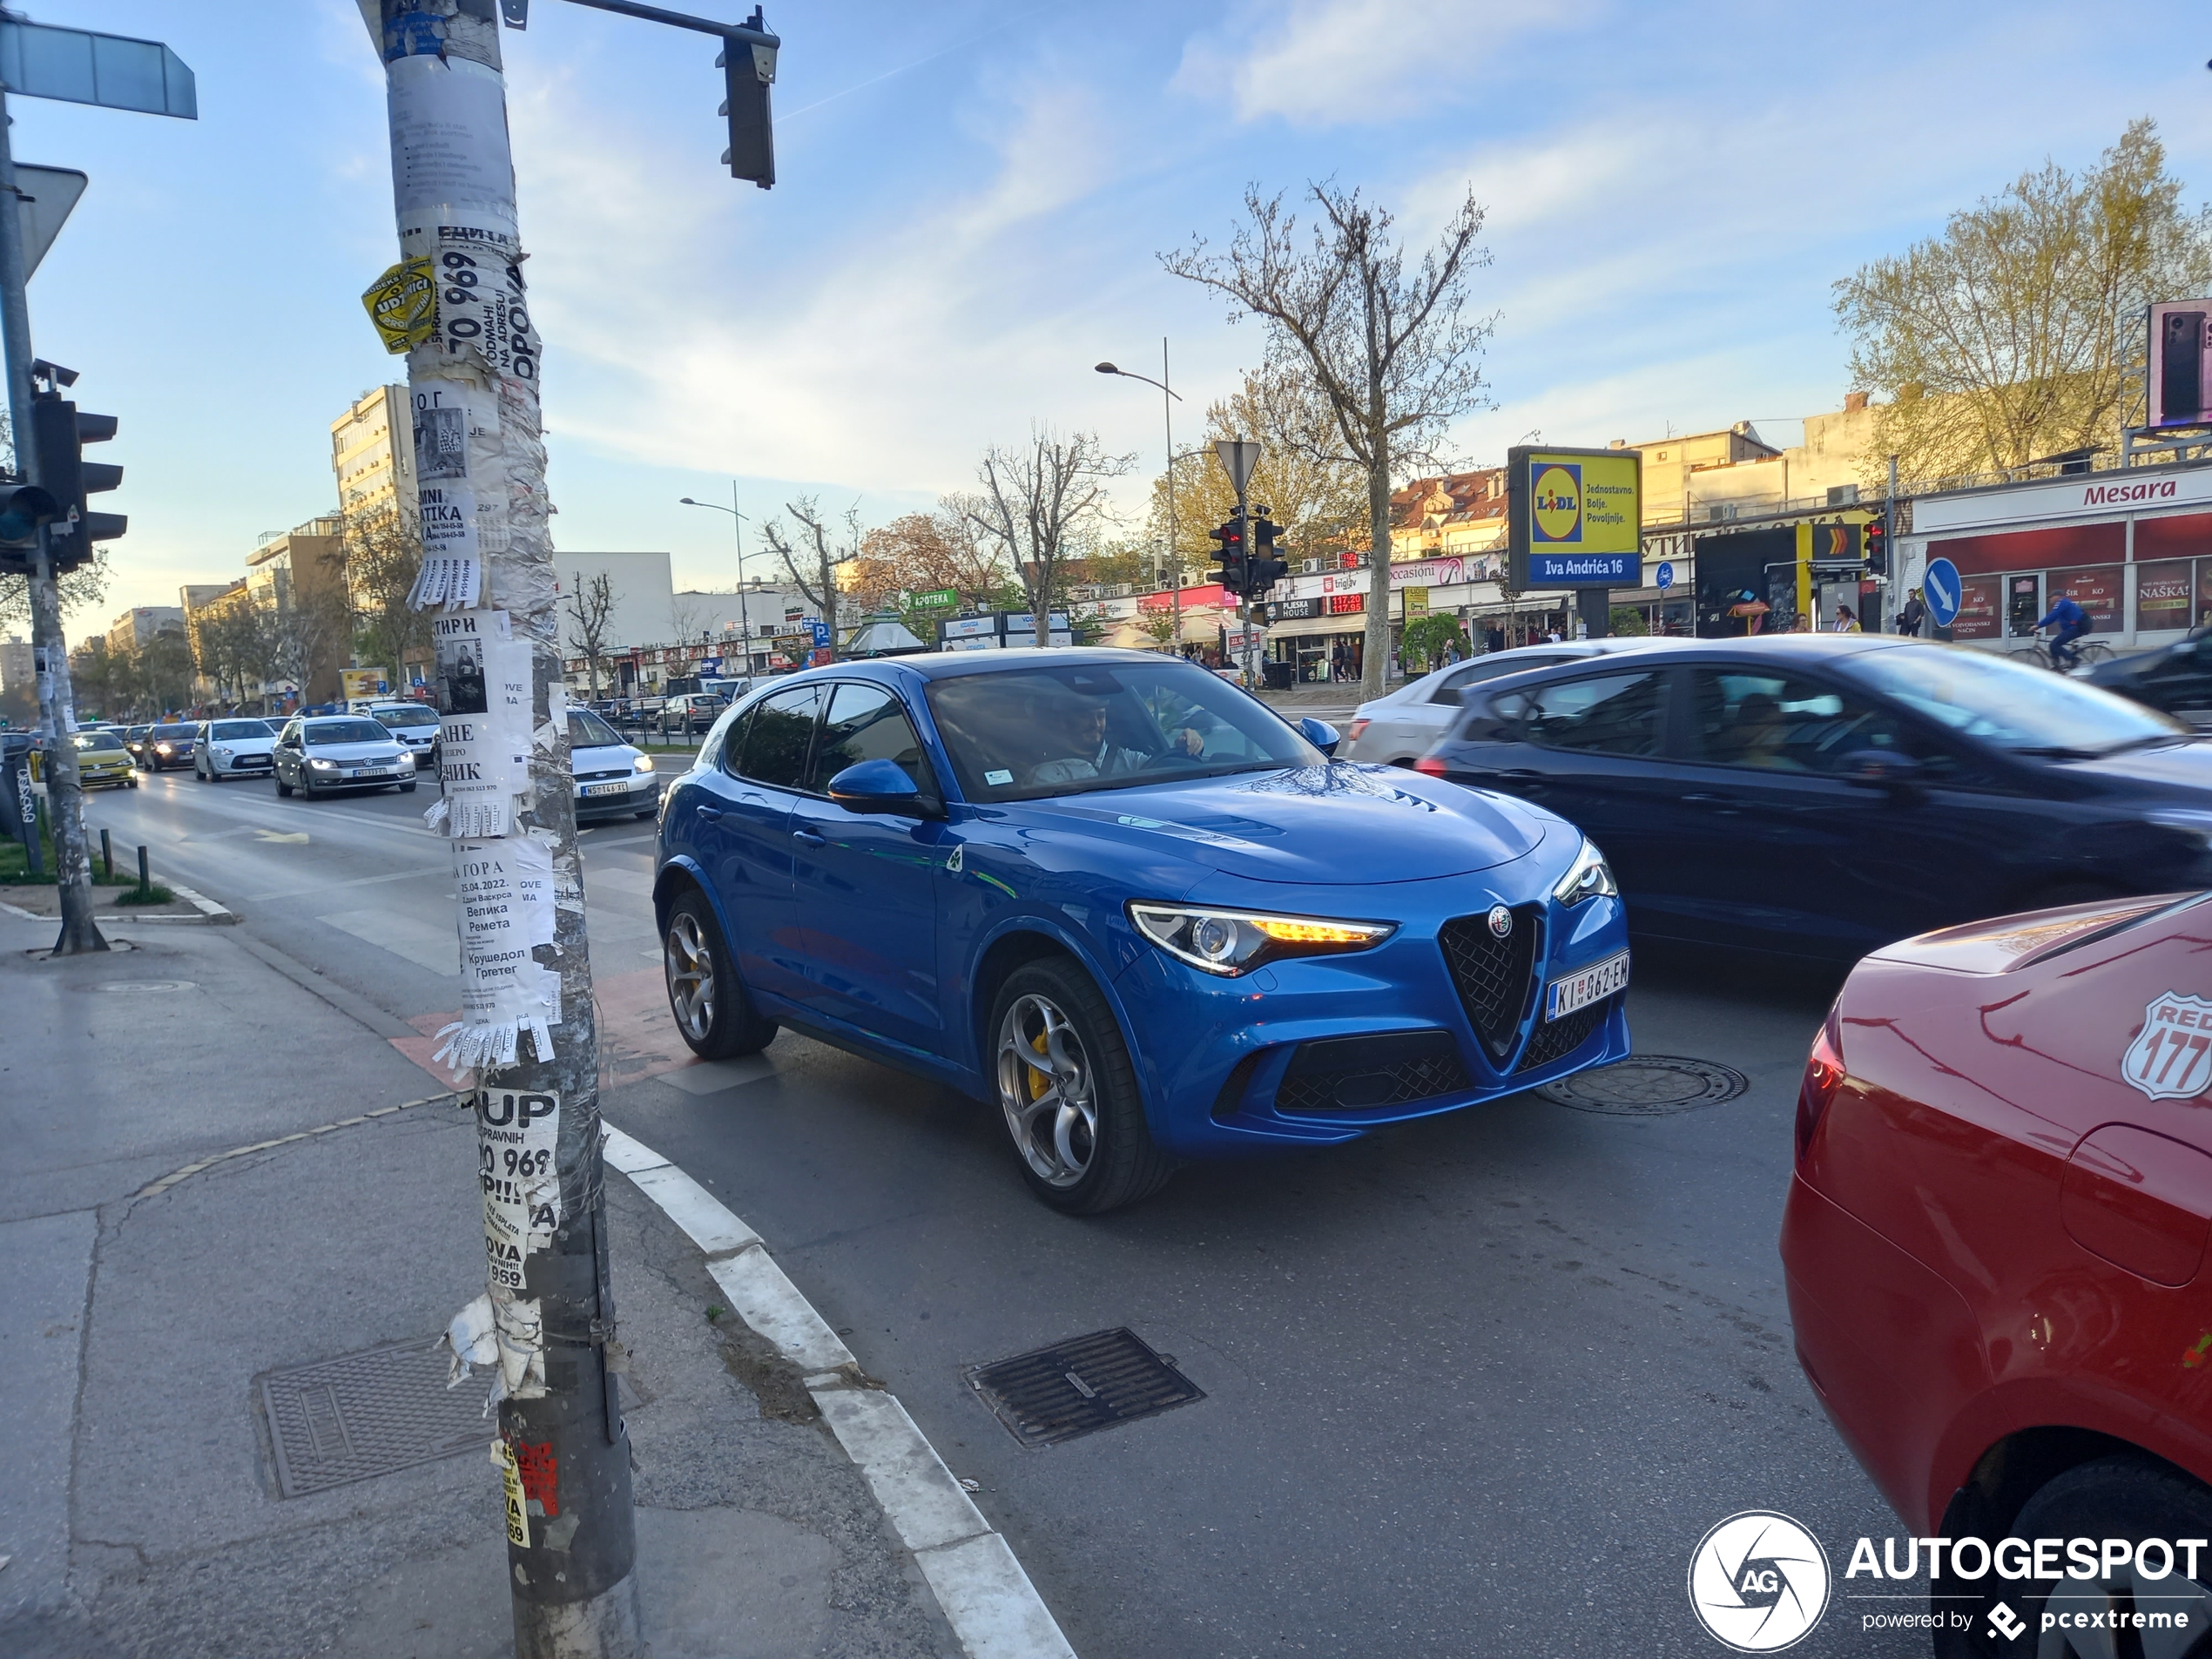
(2171, 1057)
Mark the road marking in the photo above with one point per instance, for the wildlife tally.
(419, 942)
(297, 838)
(993, 1609)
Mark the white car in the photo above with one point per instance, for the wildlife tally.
(613, 778)
(340, 751)
(236, 748)
(415, 724)
(1398, 729)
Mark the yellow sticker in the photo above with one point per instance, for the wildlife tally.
(403, 304)
(518, 1518)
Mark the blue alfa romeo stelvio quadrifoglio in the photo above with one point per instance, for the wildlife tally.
(1127, 902)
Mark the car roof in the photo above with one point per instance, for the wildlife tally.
(947, 664)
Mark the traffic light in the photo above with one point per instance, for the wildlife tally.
(1878, 548)
(24, 507)
(1231, 555)
(748, 64)
(59, 432)
(1265, 569)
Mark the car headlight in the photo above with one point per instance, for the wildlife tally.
(320, 764)
(644, 762)
(220, 752)
(161, 748)
(1588, 877)
(1236, 941)
(404, 755)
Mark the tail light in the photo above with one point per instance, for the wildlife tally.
(1357, 727)
(1430, 765)
(1823, 1076)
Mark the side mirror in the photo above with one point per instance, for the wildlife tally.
(1320, 734)
(878, 786)
(1883, 769)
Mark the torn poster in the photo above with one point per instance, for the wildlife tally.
(510, 1475)
(446, 499)
(516, 1130)
(449, 148)
(484, 725)
(505, 887)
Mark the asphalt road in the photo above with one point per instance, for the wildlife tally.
(1477, 1385)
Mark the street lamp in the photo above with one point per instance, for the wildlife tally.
(1168, 399)
(738, 525)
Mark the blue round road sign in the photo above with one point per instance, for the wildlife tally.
(1942, 590)
(1666, 576)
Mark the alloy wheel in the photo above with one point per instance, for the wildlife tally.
(1048, 1091)
(690, 977)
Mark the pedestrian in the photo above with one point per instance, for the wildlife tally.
(1913, 615)
(1494, 640)
(1845, 622)
(2070, 621)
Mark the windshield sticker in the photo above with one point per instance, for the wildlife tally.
(998, 775)
(2171, 1056)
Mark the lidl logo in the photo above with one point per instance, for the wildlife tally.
(1556, 501)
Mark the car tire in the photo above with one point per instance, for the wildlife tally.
(2127, 1495)
(649, 813)
(284, 789)
(1097, 1153)
(713, 1015)
(306, 785)
(407, 788)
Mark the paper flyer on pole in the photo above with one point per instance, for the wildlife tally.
(484, 725)
(505, 888)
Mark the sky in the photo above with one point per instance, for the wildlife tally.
(971, 199)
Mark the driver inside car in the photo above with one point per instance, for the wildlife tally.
(1088, 750)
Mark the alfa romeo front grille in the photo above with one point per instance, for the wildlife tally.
(1495, 977)
(1556, 1039)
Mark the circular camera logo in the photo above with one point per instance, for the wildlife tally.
(1758, 1581)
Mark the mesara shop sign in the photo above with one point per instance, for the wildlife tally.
(2135, 489)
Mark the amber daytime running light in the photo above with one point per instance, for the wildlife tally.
(1236, 941)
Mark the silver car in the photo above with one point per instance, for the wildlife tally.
(1399, 729)
(613, 778)
(233, 749)
(340, 751)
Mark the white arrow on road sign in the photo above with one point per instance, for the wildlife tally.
(1239, 456)
(46, 195)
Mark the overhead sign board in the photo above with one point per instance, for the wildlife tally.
(2181, 364)
(1574, 517)
(78, 66)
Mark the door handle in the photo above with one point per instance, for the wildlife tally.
(809, 837)
(710, 814)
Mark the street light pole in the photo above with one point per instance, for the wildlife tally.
(736, 523)
(1168, 399)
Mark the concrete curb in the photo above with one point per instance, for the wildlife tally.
(210, 914)
(993, 1609)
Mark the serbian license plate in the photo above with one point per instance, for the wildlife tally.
(1588, 985)
(606, 789)
(372, 772)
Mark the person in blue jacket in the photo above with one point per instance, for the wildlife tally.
(2071, 621)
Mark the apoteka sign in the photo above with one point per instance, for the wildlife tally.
(1758, 1581)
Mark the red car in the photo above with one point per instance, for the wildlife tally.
(1995, 1244)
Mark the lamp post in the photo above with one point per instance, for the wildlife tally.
(738, 525)
(1168, 399)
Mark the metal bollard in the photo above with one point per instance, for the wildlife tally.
(107, 855)
(144, 879)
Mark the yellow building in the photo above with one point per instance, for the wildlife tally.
(372, 455)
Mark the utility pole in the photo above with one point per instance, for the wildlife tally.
(1890, 602)
(528, 1040)
(56, 714)
(1238, 457)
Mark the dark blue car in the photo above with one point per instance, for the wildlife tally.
(1127, 902)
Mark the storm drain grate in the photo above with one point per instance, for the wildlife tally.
(368, 1413)
(1080, 1385)
(1648, 1085)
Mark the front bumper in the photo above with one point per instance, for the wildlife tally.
(258, 765)
(94, 778)
(1319, 1049)
(641, 793)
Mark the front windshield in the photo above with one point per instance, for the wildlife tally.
(168, 733)
(587, 731)
(1026, 734)
(98, 740)
(2011, 705)
(346, 731)
(398, 717)
(226, 730)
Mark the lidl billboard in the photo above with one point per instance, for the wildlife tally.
(1574, 517)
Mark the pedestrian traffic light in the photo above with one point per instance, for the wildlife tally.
(748, 66)
(1231, 555)
(1265, 570)
(59, 433)
(24, 507)
(1878, 548)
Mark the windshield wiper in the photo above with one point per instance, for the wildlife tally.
(2152, 740)
(2060, 752)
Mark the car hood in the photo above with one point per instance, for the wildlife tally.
(2181, 765)
(603, 756)
(1338, 825)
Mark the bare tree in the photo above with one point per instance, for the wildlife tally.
(1396, 356)
(382, 558)
(588, 613)
(309, 630)
(1043, 504)
(823, 558)
(79, 589)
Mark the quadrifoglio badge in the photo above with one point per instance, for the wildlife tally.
(1759, 1582)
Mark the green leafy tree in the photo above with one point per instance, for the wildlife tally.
(1426, 639)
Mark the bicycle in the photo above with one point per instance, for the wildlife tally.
(2087, 649)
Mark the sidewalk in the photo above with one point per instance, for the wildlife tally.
(144, 1514)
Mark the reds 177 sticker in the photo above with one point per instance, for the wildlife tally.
(2171, 1059)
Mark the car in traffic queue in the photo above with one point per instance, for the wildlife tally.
(233, 748)
(169, 744)
(614, 778)
(1128, 905)
(1398, 728)
(134, 739)
(2175, 677)
(415, 725)
(102, 759)
(1817, 796)
(689, 713)
(1994, 1246)
(336, 751)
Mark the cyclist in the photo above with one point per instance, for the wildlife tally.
(2071, 621)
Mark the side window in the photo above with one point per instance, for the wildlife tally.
(868, 723)
(1784, 723)
(777, 738)
(1615, 714)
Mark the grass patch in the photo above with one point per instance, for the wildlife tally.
(16, 867)
(154, 894)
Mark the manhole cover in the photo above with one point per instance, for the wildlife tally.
(368, 1413)
(1079, 1386)
(1648, 1085)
